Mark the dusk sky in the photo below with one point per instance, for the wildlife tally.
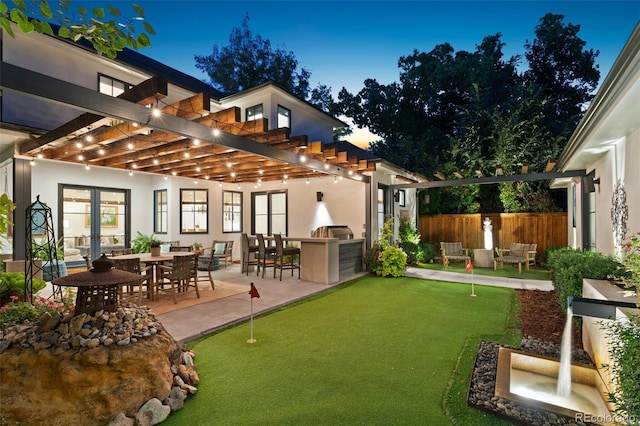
(343, 43)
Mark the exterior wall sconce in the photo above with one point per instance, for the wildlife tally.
(319, 196)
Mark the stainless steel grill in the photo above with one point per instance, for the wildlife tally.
(341, 232)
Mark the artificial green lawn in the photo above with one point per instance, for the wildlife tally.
(373, 351)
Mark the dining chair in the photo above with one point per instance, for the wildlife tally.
(265, 253)
(248, 248)
(180, 248)
(206, 262)
(182, 274)
(120, 252)
(135, 267)
(286, 257)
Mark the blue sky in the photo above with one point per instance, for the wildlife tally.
(343, 43)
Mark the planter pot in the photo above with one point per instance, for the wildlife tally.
(155, 251)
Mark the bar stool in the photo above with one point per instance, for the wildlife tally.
(265, 252)
(247, 249)
(286, 257)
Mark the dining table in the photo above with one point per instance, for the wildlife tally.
(154, 261)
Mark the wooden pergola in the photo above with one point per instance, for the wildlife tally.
(138, 132)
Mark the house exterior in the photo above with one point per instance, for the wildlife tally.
(147, 185)
(604, 206)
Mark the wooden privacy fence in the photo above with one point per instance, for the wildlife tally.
(545, 229)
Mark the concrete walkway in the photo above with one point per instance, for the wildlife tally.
(193, 321)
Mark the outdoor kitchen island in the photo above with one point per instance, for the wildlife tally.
(329, 260)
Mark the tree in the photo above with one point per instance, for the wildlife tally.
(467, 110)
(563, 71)
(108, 37)
(250, 61)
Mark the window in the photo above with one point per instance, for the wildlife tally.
(160, 211)
(112, 87)
(254, 113)
(284, 117)
(231, 211)
(269, 213)
(194, 204)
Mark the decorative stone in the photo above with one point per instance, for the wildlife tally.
(121, 420)
(159, 412)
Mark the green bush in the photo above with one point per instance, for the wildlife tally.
(383, 259)
(569, 267)
(392, 262)
(426, 253)
(17, 312)
(625, 367)
(13, 283)
(412, 250)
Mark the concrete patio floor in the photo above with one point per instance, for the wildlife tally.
(187, 322)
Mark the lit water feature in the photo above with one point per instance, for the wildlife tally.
(533, 380)
(564, 374)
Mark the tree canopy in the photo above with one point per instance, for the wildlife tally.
(249, 60)
(460, 111)
(108, 36)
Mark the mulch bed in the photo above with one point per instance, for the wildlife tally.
(543, 319)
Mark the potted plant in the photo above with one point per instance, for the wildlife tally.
(154, 246)
(197, 247)
(146, 243)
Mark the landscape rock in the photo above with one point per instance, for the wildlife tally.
(53, 375)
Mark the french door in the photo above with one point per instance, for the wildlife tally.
(94, 220)
(269, 213)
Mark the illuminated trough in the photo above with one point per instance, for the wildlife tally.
(532, 380)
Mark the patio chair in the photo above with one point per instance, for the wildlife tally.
(209, 262)
(518, 253)
(135, 267)
(181, 275)
(453, 251)
(226, 252)
(265, 253)
(286, 257)
(120, 252)
(248, 248)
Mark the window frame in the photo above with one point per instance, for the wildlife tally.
(204, 212)
(160, 214)
(288, 116)
(251, 109)
(269, 213)
(233, 212)
(101, 76)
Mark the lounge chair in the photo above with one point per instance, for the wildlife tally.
(453, 252)
(518, 253)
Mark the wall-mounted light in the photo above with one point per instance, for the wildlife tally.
(319, 196)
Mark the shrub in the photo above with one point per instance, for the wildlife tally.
(625, 368)
(17, 312)
(383, 259)
(12, 283)
(569, 267)
(427, 252)
(412, 250)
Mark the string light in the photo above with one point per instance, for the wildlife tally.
(86, 166)
(78, 145)
(196, 142)
(101, 151)
(32, 162)
(130, 145)
(216, 132)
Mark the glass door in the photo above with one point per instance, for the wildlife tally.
(94, 221)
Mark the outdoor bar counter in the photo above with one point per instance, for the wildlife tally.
(329, 260)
